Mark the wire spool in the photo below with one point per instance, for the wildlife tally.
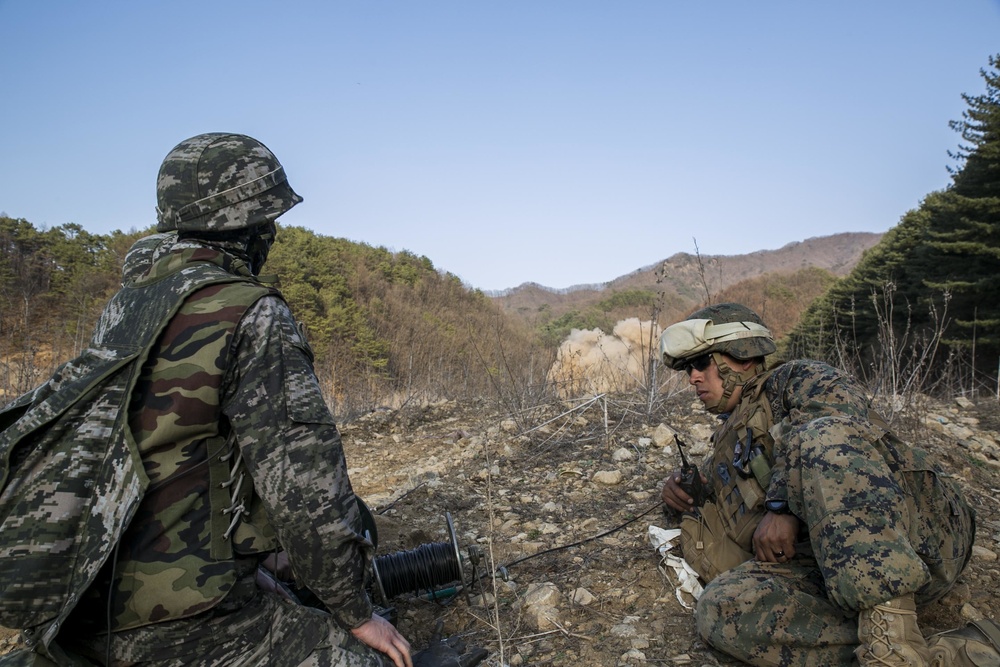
(427, 568)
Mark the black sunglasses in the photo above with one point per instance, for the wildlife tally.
(699, 363)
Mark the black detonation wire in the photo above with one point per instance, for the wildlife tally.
(576, 544)
(423, 568)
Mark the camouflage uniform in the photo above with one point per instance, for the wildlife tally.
(196, 441)
(242, 454)
(878, 520)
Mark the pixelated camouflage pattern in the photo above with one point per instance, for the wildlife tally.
(294, 453)
(266, 631)
(71, 473)
(221, 182)
(175, 559)
(880, 520)
(143, 253)
(271, 400)
(777, 614)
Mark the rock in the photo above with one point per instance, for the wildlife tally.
(699, 447)
(510, 527)
(626, 628)
(663, 435)
(549, 528)
(633, 657)
(582, 597)
(957, 596)
(623, 630)
(639, 642)
(622, 454)
(970, 613)
(961, 432)
(608, 477)
(982, 553)
(644, 443)
(541, 606)
(529, 548)
(964, 403)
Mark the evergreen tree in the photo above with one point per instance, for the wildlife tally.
(943, 257)
(962, 253)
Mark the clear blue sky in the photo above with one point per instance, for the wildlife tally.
(560, 142)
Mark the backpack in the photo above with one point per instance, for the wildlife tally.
(71, 477)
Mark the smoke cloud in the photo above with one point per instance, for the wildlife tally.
(592, 362)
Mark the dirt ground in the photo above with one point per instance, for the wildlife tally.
(559, 499)
(525, 486)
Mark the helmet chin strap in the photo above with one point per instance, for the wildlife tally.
(731, 379)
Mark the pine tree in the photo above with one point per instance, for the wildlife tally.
(962, 250)
(945, 252)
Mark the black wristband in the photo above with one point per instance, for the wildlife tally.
(776, 506)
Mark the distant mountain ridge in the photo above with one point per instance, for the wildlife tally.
(688, 276)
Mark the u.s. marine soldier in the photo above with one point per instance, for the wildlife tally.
(833, 530)
(241, 452)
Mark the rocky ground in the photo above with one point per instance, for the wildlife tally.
(560, 498)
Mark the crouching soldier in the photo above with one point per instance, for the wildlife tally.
(823, 532)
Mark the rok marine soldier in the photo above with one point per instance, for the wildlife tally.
(822, 531)
(230, 453)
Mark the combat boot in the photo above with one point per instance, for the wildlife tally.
(889, 635)
(975, 645)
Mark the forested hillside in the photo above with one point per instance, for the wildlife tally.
(780, 282)
(386, 327)
(53, 284)
(925, 299)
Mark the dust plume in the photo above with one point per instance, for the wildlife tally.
(591, 362)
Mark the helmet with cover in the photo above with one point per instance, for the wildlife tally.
(220, 182)
(730, 328)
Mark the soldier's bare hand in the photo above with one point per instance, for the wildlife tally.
(674, 496)
(774, 539)
(382, 636)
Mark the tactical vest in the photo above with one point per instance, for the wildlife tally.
(200, 510)
(740, 468)
(72, 476)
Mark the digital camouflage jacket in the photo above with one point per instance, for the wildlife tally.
(798, 416)
(236, 438)
(71, 472)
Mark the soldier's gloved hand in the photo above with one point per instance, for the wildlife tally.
(448, 653)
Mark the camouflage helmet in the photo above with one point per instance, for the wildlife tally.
(220, 182)
(731, 328)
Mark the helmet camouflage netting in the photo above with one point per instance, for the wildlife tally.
(221, 182)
